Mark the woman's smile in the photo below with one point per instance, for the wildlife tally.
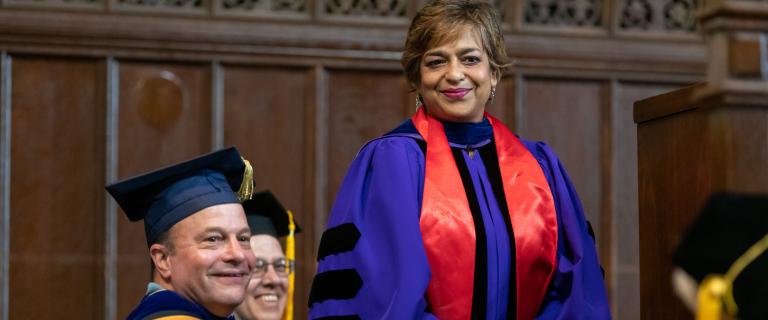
(455, 94)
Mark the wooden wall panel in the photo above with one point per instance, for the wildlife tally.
(743, 134)
(5, 183)
(674, 201)
(57, 196)
(363, 106)
(164, 117)
(625, 280)
(566, 114)
(265, 118)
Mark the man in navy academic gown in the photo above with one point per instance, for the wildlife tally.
(197, 234)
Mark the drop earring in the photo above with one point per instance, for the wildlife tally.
(419, 101)
(493, 95)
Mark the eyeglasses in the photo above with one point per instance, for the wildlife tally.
(282, 266)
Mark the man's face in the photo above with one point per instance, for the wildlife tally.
(211, 259)
(266, 296)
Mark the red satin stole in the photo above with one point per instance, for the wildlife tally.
(448, 230)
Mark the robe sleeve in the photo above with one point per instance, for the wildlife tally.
(371, 261)
(577, 289)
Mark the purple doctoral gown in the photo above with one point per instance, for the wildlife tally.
(372, 262)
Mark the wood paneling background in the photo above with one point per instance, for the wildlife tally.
(270, 125)
(674, 186)
(56, 158)
(625, 259)
(164, 117)
(94, 91)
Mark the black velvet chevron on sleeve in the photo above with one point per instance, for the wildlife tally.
(335, 284)
(339, 239)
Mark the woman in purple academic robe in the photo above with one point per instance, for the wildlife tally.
(449, 215)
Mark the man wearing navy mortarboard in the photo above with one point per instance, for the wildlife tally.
(197, 234)
(270, 292)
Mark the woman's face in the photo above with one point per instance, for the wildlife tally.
(456, 79)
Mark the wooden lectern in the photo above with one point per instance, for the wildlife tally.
(701, 139)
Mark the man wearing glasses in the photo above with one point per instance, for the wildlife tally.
(268, 291)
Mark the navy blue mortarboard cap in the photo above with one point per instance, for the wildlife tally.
(166, 196)
(266, 215)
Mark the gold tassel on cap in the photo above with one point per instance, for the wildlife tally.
(246, 187)
(290, 255)
(711, 292)
(717, 290)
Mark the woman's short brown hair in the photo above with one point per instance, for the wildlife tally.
(441, 21)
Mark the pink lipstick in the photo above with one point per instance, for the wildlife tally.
(455, 94)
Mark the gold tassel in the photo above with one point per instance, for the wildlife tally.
(246, 187)
(717, 290)
(290, 255)
(711, 293)
(742, 262)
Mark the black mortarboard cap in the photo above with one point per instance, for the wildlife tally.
(266, 215)
(166, 196)
(728, 226)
